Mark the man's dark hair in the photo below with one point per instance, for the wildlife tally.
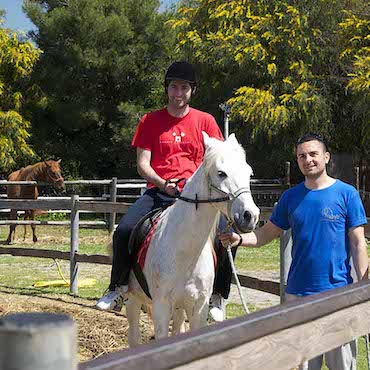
(309, 136)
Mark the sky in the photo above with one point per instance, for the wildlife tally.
(17, 20)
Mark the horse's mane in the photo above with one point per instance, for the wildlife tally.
(31, 172)
(220, 149)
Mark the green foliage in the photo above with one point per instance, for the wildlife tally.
(355, 57)
(355, 32)
(102, 67)
(286, 68)
(275, 42)
(17, 59)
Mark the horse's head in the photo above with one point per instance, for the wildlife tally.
(229, 177)
(53, 175)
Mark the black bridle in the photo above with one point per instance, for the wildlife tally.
(228, 197)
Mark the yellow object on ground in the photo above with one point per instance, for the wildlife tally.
(81, 283)
(64, 282)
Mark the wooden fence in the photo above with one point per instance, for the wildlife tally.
(75, 205)
(266, 192)
(279, 337)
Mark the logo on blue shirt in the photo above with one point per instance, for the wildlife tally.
(329, 215)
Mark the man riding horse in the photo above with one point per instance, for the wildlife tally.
(169, 146)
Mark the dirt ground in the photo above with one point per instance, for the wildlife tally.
(100, 332)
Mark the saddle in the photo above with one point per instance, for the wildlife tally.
(139, 242)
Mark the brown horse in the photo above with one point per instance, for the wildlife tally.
(47, 171)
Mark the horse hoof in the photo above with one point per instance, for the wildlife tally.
(34, 240)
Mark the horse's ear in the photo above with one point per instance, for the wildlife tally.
(58, 161)
(206, 139)
(232, 139)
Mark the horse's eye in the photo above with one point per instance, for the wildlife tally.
(222, 174)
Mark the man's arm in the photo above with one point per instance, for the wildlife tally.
(358, 247)
(255, 239)
(146, 171)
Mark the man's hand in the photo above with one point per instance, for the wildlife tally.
(254, 239)
(230, 239)
(170, 187)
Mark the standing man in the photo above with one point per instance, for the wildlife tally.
(326, 217)
(169, 145)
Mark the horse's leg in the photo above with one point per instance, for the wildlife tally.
(198, 314)
(161, 318)
(178, 325)
(12, 216)
(133, 308)
(32, 217)
(25, 218)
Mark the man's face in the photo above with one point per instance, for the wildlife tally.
(312, 158)
(179, 94)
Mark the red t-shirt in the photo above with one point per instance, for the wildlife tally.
(176, 144)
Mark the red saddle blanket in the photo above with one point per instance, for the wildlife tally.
(141, 255)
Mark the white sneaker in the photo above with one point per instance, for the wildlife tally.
(113, 300)
(217, 308)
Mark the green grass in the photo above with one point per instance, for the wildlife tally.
(259, 259)
(20, 273)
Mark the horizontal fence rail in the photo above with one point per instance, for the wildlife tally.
(82, 224)
(46, 253)
(46, 204)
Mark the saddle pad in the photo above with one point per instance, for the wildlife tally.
(141, 236)
(141, 255)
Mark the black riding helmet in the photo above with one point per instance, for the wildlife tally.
(181, 71)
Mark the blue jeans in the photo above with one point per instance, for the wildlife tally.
(121, 265)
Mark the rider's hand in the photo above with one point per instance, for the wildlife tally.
(170, 187)
(230, 239)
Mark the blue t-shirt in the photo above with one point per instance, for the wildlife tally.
(320, 220)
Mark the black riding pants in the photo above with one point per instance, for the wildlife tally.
(150, 200)
(153, 199)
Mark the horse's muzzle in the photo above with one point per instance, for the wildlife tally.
(246, 222)
(59, 186)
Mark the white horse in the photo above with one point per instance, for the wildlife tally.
(179, 266)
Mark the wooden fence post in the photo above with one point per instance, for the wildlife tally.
(285, 260)
(357, 178)
(287, 174)
(41, 341)
(113, 198)
(75, 218)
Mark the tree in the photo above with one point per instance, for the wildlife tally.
(17, 59)
(102, 66)
(274, 44)
(355, 57)
(277, 64)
